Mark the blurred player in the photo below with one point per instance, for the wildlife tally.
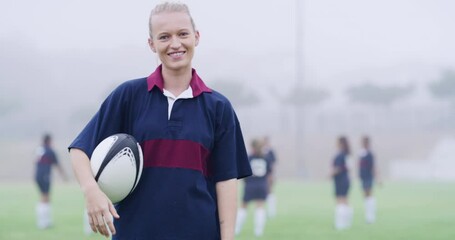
(367, 174)
(45, 160)
(343, 212)
(269, 155)
(255, 189)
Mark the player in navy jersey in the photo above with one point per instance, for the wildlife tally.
(191, 140)
(367, 175)
(340, 174)
(270, 155)
(46, 158)
(255, 189)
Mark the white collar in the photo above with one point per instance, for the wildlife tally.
(188, 93)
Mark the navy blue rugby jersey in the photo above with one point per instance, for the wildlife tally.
(46, 158)
(261, 168)
(366, 165)
(340, 162)
(185, 155)
(271, 158)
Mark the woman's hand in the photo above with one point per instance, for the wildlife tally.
(101, 212)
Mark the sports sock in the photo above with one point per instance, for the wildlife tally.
(271, 205)
(343, 216)
(370, 209)
(241, 217)
(43, 215)
(259, 221)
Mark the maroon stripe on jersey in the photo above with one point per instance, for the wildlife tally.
(175, 154)
(45, 160)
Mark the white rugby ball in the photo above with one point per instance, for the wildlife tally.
(117, 164)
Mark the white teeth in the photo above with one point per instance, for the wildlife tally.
(176, 54)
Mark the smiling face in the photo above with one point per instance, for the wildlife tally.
(174, 39)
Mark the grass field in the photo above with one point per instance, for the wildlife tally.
(411, 211)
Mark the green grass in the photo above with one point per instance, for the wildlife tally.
(305, 211)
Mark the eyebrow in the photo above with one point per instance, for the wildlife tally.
(180, 30)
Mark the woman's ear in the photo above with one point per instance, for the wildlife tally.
(197, 35)
(151, 45)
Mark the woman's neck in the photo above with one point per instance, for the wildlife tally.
(176, 81)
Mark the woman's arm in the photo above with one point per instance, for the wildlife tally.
(226, 192)
(100, 209)
(335, 171)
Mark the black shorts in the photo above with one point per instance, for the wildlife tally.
(367, 183)
(44, 183)
(255, 193)
(342, 187)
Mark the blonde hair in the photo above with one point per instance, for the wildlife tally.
(170, 7)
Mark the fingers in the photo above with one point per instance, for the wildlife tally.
(101, 212)
(92, 224)
(102, 223)
(113, 211)
(109, 223)
(109, 218)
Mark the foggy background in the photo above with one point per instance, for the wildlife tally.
(300, 72)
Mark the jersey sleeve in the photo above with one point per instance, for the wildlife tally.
(272, 156)
(372, 160)
(229, 157)
(269, 166)
(339, 161)
(54, 158)
(109, 120)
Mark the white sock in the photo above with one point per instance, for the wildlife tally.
(271, 205)
(259, 221)
(43, 215)
(86, 225)
(343, 216)
(339, 217)
(241, 217)
(370, 209)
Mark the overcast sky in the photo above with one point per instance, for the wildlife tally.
(339, 36)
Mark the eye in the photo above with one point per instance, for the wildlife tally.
(184, 34)
(163, 37)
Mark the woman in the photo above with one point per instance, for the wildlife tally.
(343, 212)
(191, 139)
(256, 189)
(45, 160)
(367, 174)
(269, 154)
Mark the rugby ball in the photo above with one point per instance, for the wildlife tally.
(117, 164)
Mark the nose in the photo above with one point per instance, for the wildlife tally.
(175, 42)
